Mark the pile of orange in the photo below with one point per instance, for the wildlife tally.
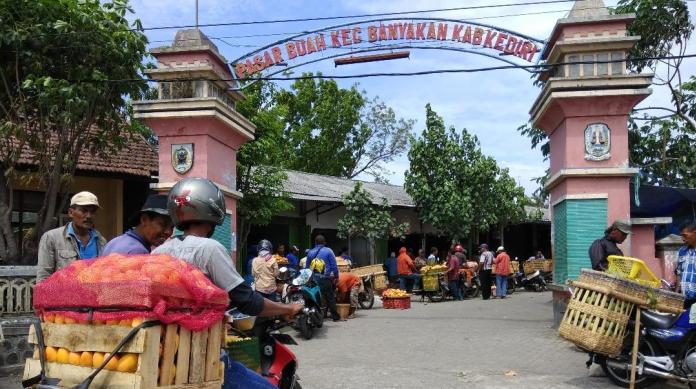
(123, 362)
(61, 319)
(116, 267)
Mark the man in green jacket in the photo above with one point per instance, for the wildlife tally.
(78, 239)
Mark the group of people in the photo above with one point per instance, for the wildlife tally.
(195, 206)
(406, 269)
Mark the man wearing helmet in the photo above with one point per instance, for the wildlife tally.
(197, 206)
(264, 268)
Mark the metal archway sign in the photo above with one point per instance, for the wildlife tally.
(390, 34)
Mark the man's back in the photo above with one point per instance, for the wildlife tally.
(327, 255)
(206, 254)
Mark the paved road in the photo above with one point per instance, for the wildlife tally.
(470, 344)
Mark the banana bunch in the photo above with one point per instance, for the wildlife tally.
(433, 269)
(394, 293)
(233, 338)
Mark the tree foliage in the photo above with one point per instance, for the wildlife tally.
(458, 189)
(258, 177)
(55, 98)
(367, 219)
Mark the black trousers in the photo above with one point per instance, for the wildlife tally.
(486, 278)
(328, 293)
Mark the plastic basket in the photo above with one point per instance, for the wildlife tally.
(396, 302)
(430, 282)
(246, 352)
(632, 269)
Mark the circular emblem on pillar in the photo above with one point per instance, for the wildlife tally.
(182, 157)
(597, 142)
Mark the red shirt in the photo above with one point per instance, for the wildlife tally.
(404, 264)
(502, 264)
(452, 268)
(346, 282)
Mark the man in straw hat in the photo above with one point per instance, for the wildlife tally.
(78, 239)
(607, 245)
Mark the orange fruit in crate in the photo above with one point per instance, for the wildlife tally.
(112, 322)
(51, 354)
(86, 358)
(137, 321)
(59, 319)
(69, 320)
(98, 322)
(125, 323)
(128, 363)
(97, 359)
(62, 355)
(49, 318)
(74, 358)
(113, 363)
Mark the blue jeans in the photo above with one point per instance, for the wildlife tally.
(501, 285)
(238, 376)
(404, 277)
(454, 289)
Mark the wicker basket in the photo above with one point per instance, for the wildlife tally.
(380, 281)
(343, 310)
(514, 267)
(547, 266)
(533, 265)
(641, 295)
(396, 302)
(365, 270)
(595, 320)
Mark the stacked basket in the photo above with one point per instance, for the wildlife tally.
(602, 303)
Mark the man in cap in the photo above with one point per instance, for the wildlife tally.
(151, 227)
(607, 245)
(78, 239)
(502, 270)
(486, 271)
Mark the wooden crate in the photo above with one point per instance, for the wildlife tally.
(196, 354)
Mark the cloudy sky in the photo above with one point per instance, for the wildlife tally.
(489, 104)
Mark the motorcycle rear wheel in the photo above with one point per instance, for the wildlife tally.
(436, 296)
(303, 326)
(474, 291)
(367, 298)
(622, 377)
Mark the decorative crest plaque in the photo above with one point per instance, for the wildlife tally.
(182, 157)
(597, 142)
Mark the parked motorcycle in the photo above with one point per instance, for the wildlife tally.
(278, 362)
(304, 290)
(667, 351)
(533, 281)
(470, 284)
(366, 298)
(434, 293)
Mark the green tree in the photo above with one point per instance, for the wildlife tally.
(258, 177)
(367, 219)
(339, 132)
(56, 100)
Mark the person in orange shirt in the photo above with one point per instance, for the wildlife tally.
(502, 269)
(348, 288)
(406, 270)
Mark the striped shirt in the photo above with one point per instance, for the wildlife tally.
(686, 269)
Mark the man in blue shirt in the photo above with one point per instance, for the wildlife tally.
(79, 239)
(390, 267)
(328, 277)
(686, 264)
(293, 260)
(152, 227)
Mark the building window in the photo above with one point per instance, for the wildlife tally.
(595, 64)
(25, 209)
(602, 65)
(617, 67)
(573, 68)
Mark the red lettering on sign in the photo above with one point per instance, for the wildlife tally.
(371, 33)
(310, 46)
(409, 32)
(382, 32)
(345, 38)
(258, 63)
(290, 49)
(320, 41)
(268, 61)
(301, 48)
(467, 35)
(250, 67)
(533, 50)
(510, 47)
(431, 31)
(518, 48)
(489, 38)
(478, 36)
(442, 31)
(334, 39)
(277, 56)
(524, 51)
(420, 31)
(356, 35)
(402, 30)
(456, 31)
(394, 31)
(499, 42)
(240, 69)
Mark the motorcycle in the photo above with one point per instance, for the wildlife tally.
(366, 298)
(533, 281)
(278, 363)
(667, 350)
(469, 283)
(304, 290)
(434, 293)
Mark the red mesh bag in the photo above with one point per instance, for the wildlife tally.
(118, 287)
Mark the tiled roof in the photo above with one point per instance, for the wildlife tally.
(308, 186)
(136, 158)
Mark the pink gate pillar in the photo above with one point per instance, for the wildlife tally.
(195, 119)
(583, 107)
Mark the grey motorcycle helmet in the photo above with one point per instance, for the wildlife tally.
(196, 199)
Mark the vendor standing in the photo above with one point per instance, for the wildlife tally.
(348, 288)
(686, 264)
(603, 247)
(152, 226)
(407, 270)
